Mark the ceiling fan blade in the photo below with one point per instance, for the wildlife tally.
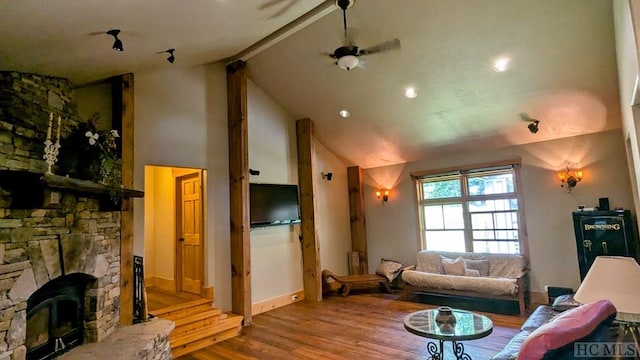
(385, 46)
(270, 3)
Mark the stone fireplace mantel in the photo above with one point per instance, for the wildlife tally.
(23, 189)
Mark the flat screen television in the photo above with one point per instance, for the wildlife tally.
(273, 204)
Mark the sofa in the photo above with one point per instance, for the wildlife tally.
(486, 282)
(552, 332)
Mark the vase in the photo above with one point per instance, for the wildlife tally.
(445, 315)
(106, 171)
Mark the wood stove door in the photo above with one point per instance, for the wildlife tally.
(54, 326)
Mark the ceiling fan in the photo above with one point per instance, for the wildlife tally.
(347, 55)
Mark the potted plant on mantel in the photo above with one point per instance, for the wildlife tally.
(91, 154)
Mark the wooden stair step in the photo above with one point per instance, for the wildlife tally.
(195, 322)
(175, 312)
(223, 329)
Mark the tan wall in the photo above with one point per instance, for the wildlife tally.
(162, 219)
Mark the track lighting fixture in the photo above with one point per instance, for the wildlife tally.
(533, 126)
(533, 123)
(117, 44)
(327, 175)
(171, 58)
(254, 172)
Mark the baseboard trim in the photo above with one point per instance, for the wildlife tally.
(207, 293)
(539, 297)
(160, 283)
(276, 302)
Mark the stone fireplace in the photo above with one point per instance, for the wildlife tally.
(59, 238)
(58, 245)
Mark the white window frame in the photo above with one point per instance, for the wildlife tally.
(463, 173)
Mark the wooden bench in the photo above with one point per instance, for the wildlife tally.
(348, 281)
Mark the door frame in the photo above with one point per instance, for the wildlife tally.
(177, 268)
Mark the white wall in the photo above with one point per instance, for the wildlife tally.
(276, 255)
(392, 228)
(332, 216)
(627, 57)
(277, 250)
(181, 120)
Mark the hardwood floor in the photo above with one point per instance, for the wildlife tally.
(360, 326)
(158, 298)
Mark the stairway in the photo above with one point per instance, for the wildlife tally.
(198, 325)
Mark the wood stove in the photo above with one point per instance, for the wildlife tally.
(55, 316)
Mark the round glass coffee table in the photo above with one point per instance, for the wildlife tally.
(468, 326)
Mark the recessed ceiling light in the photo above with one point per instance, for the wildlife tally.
(501, 65)
(410, 92)
(344, 113)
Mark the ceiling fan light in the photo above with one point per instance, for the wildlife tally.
(117, 45)
(348, 62)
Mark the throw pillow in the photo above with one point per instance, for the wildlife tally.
(549, 339)
(564, 302)
(472, 272)
(482, 265)
(389, 268)
(454, 267)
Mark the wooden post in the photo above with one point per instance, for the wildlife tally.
(123, 110)
(354, 263)
(239, 190)
(356, 213)
(312, 277)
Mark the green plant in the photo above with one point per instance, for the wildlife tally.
(91, 154)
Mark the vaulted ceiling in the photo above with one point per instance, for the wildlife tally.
(562, 63)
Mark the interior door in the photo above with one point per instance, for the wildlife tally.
(189, 259)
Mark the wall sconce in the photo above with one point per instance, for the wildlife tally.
(571, 179)
(327, 176)
(383, 194)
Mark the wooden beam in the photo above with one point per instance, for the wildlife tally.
(239, 190)
(356, 213)
(124, 103)
(312, 277)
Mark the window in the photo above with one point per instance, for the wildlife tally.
(472, 210)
